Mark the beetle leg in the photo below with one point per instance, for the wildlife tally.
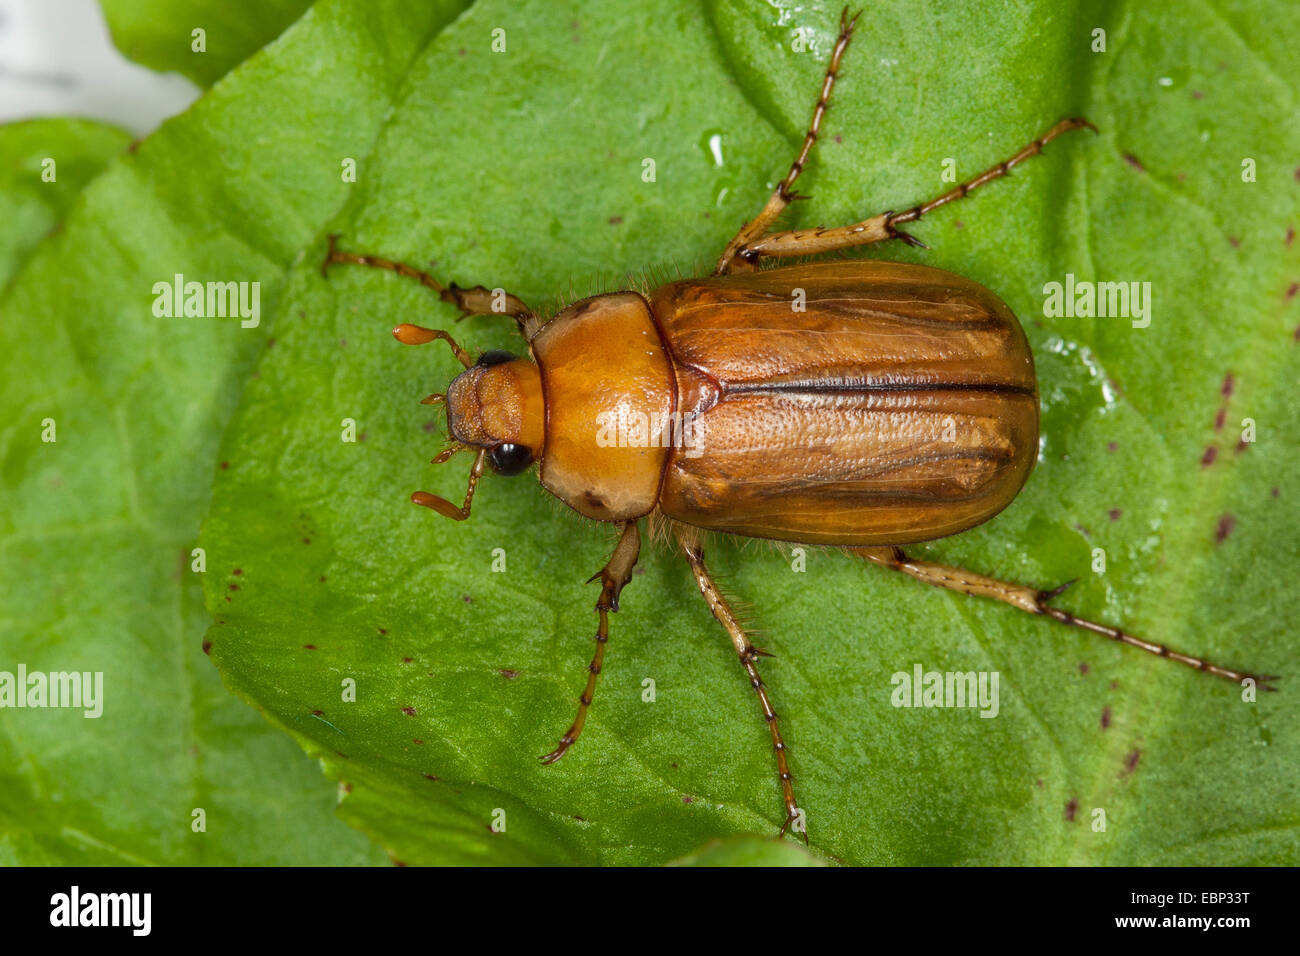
(1035, 602)
(806, 242)
(784, 194)
(475, 301)
(613, 577)
(748, 655)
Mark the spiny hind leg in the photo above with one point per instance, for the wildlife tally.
(475, 301)
(749, 655)
(734, 257)
(613, 577)
(807, 242)
(1035, 602)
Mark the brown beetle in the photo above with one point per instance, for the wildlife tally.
(898, 405)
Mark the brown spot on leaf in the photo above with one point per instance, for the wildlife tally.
(1220, 418)
(1083, 667)
(1290, 235)
(1071, 809)
(1211, 453)
(1242, 445)
(407, 660)
(207, 647)
(1226, 388)
(615, 220)
(508, 674)
(318, 713)
(429, 776)
(1134, 162)
(1273, 491)
(237, 571)
(1225, 526)
(309, 647)
(417, 740)
(687, 799)
(408, 710)
(383, 631)
(225, 465)
(1105, 717)
(1112, 446)
(1234, 242)
(1291, 291)
(1114, 513)
(1131, 760)
(1039, 784)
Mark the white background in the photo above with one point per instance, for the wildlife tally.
(57, 59)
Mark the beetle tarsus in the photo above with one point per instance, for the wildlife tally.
(784, 193)
(558, 752)
(475, 301)
(329, 254)
(1045, 596)
(614, 577)
(1035, 602)
(748, 654)
(793, 817)
(907, 237)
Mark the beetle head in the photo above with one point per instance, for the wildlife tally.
(496, 404)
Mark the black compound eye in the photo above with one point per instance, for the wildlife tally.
(508, 459)
(493, 357)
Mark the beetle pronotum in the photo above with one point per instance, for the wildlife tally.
(831, 426)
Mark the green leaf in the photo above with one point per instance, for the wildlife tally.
(97, 528)
(44, 165)
(523, 169)
(160, 34)
(747, 851)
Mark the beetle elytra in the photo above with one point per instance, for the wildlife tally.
(899, 406)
